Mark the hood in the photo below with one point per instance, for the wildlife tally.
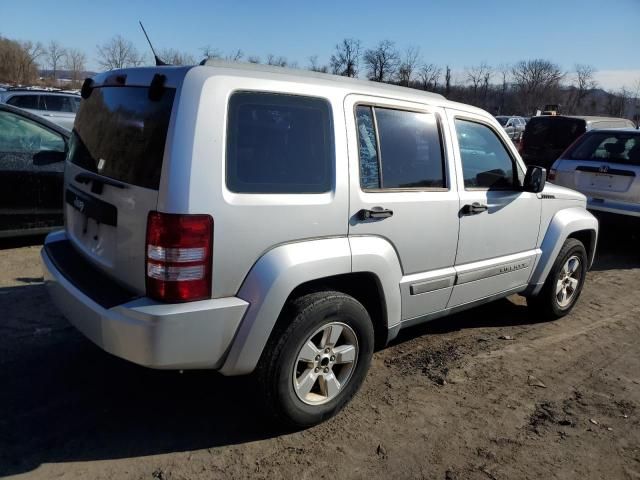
(563, 193)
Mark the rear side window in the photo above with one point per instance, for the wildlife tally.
(279, 144)
(24, 101)
(409, 154)
(57, 103)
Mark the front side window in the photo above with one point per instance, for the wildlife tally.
(410, 152)
(21, 135)
(485, 160)
(24, 101)
(279, 144)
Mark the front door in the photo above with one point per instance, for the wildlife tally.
(402, 188)
(499, 223)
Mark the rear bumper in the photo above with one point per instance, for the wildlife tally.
(610, 206)
(143, 331)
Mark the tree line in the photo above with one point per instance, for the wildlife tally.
(518, 88)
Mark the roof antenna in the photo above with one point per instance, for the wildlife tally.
(159, 62)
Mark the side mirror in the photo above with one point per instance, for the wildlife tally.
(47, 157)
(535, 179)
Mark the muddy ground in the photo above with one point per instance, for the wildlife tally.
(490, 394)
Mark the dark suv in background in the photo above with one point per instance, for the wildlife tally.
(546, 137)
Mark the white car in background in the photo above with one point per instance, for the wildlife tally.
(605, 166)
(56, 106)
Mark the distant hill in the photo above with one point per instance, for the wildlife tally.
(65, 74)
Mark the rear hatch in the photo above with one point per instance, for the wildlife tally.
(114, 167)
(546, 137)
(603, 165)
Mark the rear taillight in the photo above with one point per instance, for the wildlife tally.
(178, 253)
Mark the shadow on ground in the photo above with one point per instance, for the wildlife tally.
(17, 242)
(62, 399)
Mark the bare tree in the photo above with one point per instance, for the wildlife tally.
(346, 58)
(505, 71)
(314, 66)
(277, 61)
(55, 55)
(537, 81)
(408, 65)
(429, 75)
(447, 81)
(118, 53)
(235, 56)
(479, 76)
(17, 61)
(585, 82)
(253, 59)
(382, 61)
(76, 63)
(176, 57)
(209, 52)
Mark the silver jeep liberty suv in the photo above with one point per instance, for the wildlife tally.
(256, 219)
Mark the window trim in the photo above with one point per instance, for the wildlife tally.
(443, 148)
(504, 145)
(331, 147)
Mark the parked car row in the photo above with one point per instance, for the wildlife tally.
(514, 126)
(57, 107)
(355, 175)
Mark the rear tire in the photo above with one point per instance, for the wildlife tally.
(564, 283)
(316, 361)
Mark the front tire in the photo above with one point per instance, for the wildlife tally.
(564, 283)
(317, 360)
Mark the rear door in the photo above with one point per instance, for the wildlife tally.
(113, 174)
(499, 223)
(404, 190)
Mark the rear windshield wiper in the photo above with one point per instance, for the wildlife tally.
(98, 181)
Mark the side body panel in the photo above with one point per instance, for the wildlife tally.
(245, 225)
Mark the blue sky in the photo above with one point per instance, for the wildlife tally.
(460, 33)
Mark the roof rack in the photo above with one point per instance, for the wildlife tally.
(41, 89)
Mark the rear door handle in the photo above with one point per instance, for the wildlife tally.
(474, 208)
(375, 212)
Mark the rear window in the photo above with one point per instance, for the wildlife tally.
(279, 144)
(553, 132)
(120, 133)
(607, 147)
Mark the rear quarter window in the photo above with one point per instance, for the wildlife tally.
(279, 144)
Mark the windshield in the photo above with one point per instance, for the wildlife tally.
(502, 120)
(607, 147)
(120, 133)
